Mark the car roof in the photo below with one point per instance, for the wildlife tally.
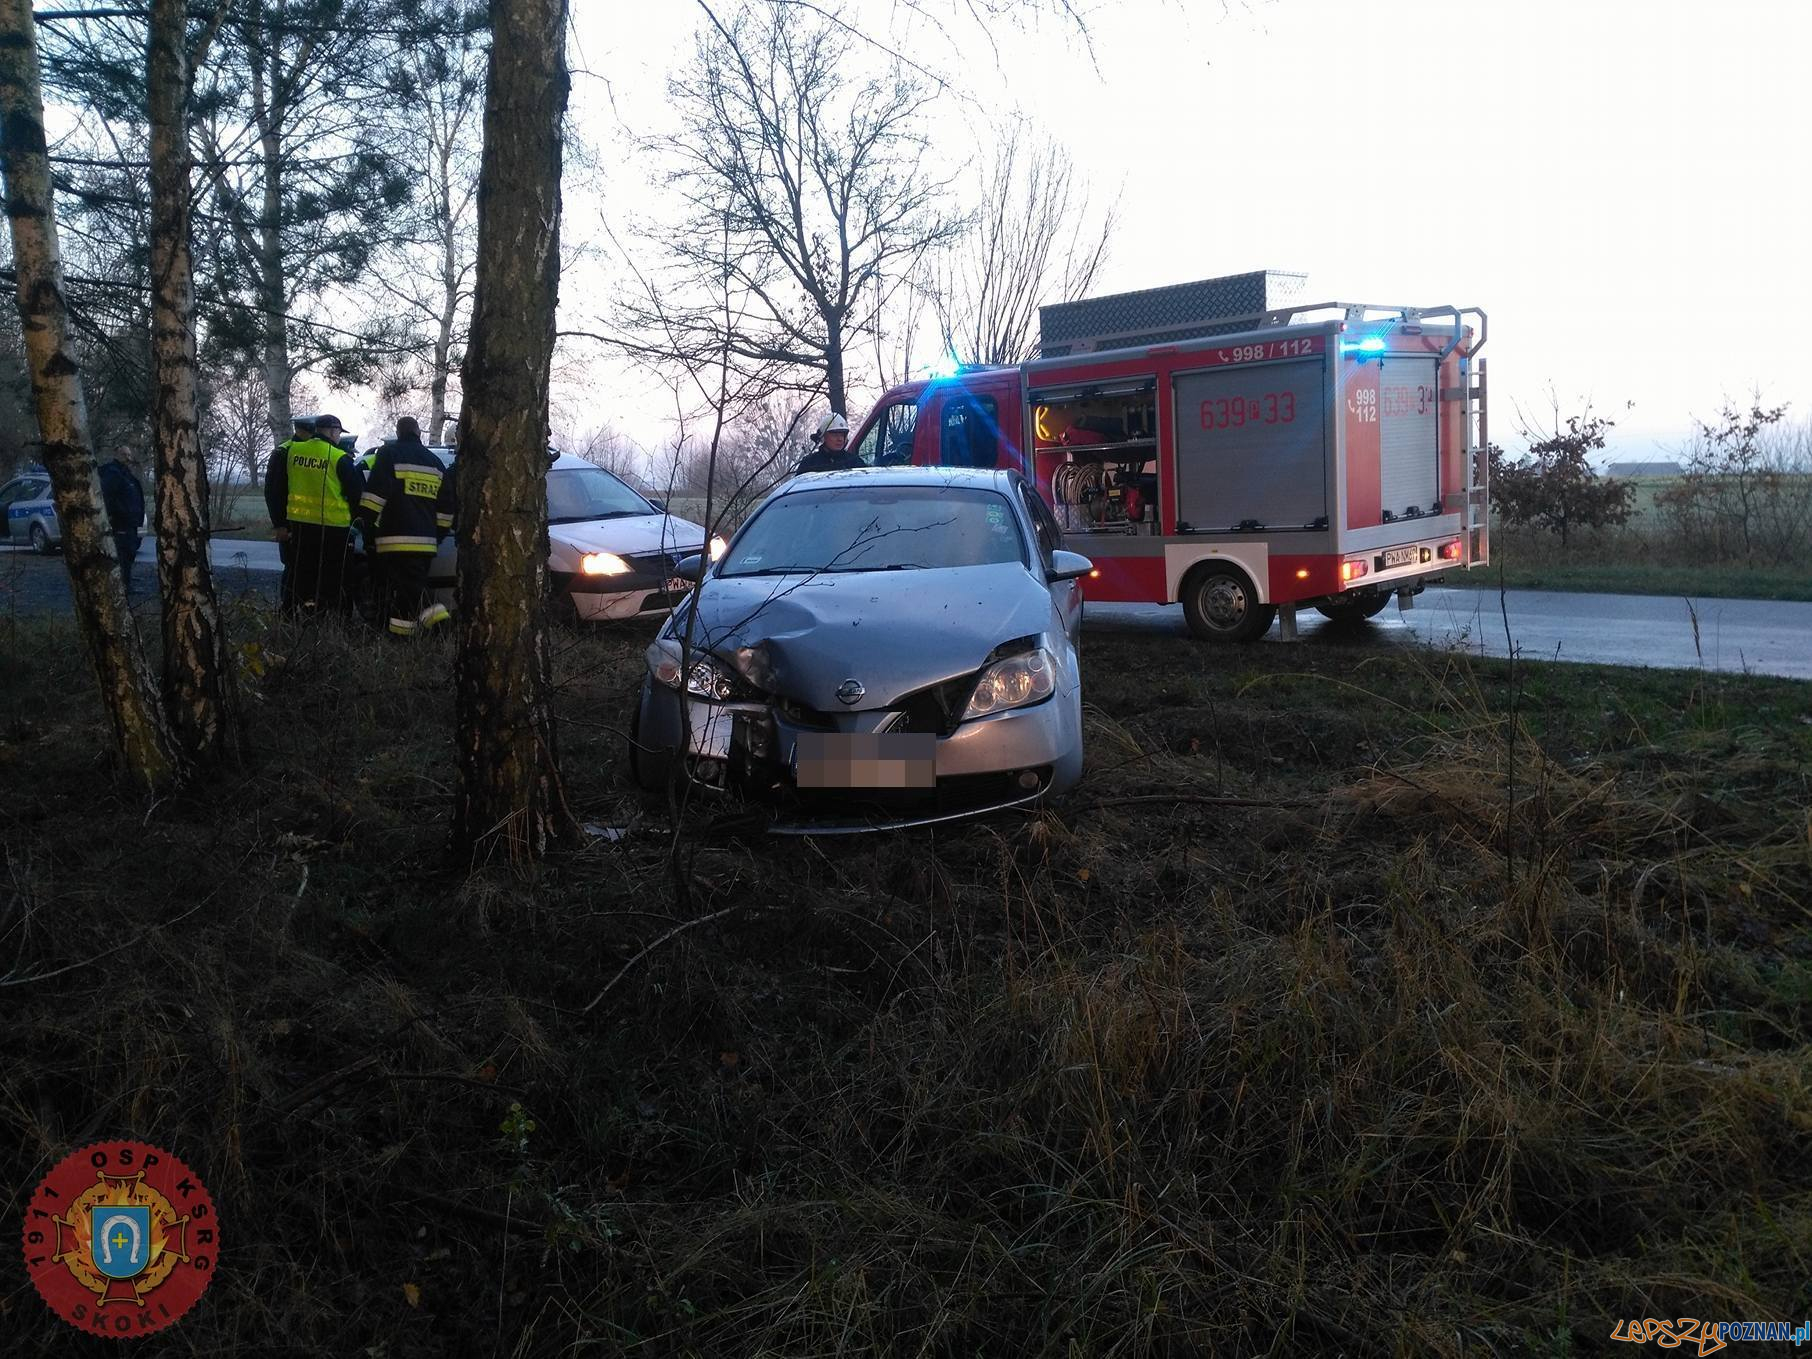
(980, 478)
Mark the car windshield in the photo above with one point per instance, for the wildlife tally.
(575, 494)
(880, 528)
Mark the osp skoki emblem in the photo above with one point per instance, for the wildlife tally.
(121, 1239)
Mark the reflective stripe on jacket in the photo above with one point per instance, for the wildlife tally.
(320, 480)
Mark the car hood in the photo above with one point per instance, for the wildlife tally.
(895, 632)
(634, 536)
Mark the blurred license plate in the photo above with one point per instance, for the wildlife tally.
(1398, 556)
(855, 760)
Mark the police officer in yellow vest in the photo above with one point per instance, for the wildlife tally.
(310, 492)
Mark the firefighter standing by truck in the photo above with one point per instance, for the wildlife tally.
(310, 491)
(405, 511)
(830, 448)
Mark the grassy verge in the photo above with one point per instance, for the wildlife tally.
(1635, 559)
(1338, 1010)
(1526, 570)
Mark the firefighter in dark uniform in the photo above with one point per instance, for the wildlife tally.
(310, 491)
(830, 452)
(406, 509)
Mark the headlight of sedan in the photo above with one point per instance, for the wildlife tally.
(603, 564)
(1014, 682)
(706, 678)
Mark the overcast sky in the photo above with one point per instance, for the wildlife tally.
(1621, 184)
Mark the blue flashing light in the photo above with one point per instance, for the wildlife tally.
(1372, 344)
(946, 367)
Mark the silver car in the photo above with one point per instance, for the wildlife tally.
(876, 649)
(27, 513)
(611, 550)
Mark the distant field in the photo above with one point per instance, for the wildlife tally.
(1638, 558)
(238, 512)
(1532, 566)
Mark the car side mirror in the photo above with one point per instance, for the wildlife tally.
(657, 502)
(690, 568)
(1068, 566)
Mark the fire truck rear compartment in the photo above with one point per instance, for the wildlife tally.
(1253, 448)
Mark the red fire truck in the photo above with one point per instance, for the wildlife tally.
(1329, 455)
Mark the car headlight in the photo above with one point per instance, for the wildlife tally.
(1014, 682)
(603, 564)
(718, 547)
(706, 678)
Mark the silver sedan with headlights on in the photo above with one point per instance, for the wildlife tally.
(611, 550)
(876, 649)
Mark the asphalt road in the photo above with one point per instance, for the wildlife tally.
(1763, 637)
(30, 584)
(1760, 636)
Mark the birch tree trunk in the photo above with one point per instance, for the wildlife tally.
(140, 734)
(449, 296)
(443, 366)
(508, 797)
(198, 673)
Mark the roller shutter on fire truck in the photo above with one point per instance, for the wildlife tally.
(1252, 446)
(1408, 428)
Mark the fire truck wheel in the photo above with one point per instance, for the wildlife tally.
(1352, 610)
(1221, 605)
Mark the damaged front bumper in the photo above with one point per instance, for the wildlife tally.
(987, 764)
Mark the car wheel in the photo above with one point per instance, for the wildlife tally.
(649, 767)
(1221, 605)
(40, 541)
(1353, 609)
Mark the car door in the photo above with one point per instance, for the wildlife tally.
(1066, 595)
(30, 501)
(9, 496)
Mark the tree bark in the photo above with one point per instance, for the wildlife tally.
(449, 296)
(198, 673)
(273, 297)
(140, 733)
(833, 365)
(507, 796)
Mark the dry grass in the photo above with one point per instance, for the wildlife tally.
(1289, 1033)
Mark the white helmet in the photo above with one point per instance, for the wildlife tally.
(830, 424)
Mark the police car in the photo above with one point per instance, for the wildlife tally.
(27, 515)
(611, 550)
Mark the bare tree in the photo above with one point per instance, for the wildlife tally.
(1033, 241)
(508, 793)
(437, 90)
(604, 446)
(234, 427)
(295, 170)
(140, 732)
(757, 450)
(808, 188)
(198, 673)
